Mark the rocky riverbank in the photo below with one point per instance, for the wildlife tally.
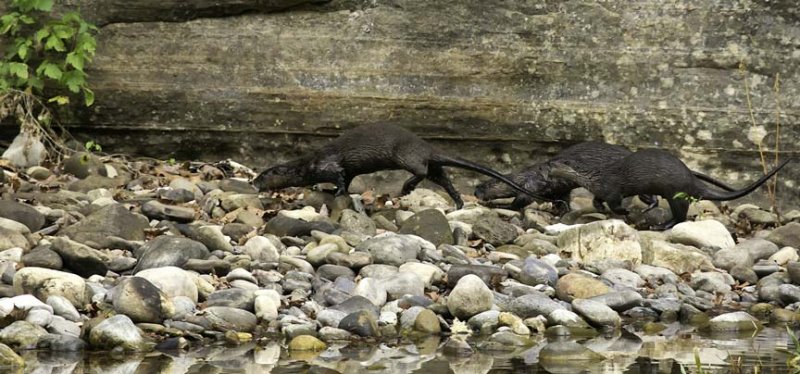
(135, 255)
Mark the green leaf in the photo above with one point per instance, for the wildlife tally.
(22, 51)
(63, 31)
(74, 80)
(19, 69)
(60, 100)
(88, 96)
(43, 5)
(87, 43)
(41, 34)
(54, 42)
(49, 70)
(26, 19)
(76, 60)
(36, 83)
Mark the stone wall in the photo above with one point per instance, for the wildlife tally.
(261, 81)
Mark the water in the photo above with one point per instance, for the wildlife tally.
(626, 353)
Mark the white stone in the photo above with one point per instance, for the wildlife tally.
(427, 272)
(706, 233)
(784, 256)
(43, 283)
(307, 214)
(608, 239)
(371, 289)
(266, 308)
(261, 249)
(469, 297)
(171, 280)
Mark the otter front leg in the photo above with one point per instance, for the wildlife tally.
(679, 208)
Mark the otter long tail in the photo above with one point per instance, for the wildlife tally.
(469, 165)
(709, 194)
(709, 179)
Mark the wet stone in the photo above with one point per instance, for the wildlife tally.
(429, 224)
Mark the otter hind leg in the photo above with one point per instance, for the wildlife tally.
(437, 175)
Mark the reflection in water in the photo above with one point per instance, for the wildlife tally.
(620, 352)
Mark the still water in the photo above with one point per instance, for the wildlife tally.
(672, 351)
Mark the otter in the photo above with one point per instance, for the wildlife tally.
(370, 148)
(652, 172)
(586, 156)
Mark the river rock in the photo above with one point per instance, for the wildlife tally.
(596, 313)
(361, 323)
(391, 249)
(166, 251)
(422, 199)
(266, 307)
(568, 352)
(111, 220)
(261, 249)
(61, 343)
(676, 257)
(712, 282)
(159, 211)
(282, 225)
(355, 304)
(233, 298)
(9, 358)
(172, 281)
(535, 272)
(63, 307)
(140, 300)
(117, 331)
(12, 239)
(623, 278)
(22, 213)
(428, 273)
(43, 283)
(306, 343)
(224, 318)
(578, 286)
(620, 300)
(371, 289)
(734, 322)
(566, 318)
(532, 305)
(81, 259)
(784, 256)
(469, 297)
(731, 257)
(793, 269)
(21, 335)
(601, 240)
(429, 224)
(494, 231)
(403, 284)
(706, 233)
(784, 236)
(357, 223)
(758, 248)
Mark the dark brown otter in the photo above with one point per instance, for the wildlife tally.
(586, 156)
(367, 149)
(651, 172)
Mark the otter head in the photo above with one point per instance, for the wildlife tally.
(280, 176)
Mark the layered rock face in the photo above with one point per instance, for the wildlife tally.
(510, 81)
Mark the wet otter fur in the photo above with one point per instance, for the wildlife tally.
(586, 156)
(651, 172)
(367, 149)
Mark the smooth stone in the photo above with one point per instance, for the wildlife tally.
(261, 249)
(784, 256)
(567, 318)
(306, 343)
(789, 293)
(785, 236)
(372, 289)
(734, 322)
(358, 223)
(706, 233)
(21, 335)
(678, 258)
(297, 263)
(42, 257)
(172, 281)
(712, 282)
(43, 283)
(61, 326)
(241, 274)
(489, 274)
(355, 260)
(421, 199)
(331, 272)
(620, 300)
(597, 313)
(331, 317)
(568, 352)
(378, 271)
(81, 259)
(266, 307)
(61, 343)
(729, 258)
(608, 239)
(429, 274)
(392, 249)
(159, 211)
(12, 254)
(209, 266)
(39, 317)
(63, 307)
(429, 224)
(112, 220)
(758, 248)
(15, 226)
(116, 331)
(12, 239)
(793, 269)
(233, 298)
(402, 284)
(532, 305)
(22, 213)
(623, 278)
(361, 323)
(427, 322)
(578, 286)
(494, 231)
(282, 225)
(169, 251)
(140, 300)
(224, 318)
(355, 304)
(656, 274)
(535, 272)
(212, 238)
(469, 297)
(318, 255)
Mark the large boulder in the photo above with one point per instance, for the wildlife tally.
(111, 220)
(609, 239)
(43, 283)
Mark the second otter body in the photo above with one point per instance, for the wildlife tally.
(370, 148)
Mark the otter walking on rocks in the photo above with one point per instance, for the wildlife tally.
(652, 172)
(367, 149)
(586, 157)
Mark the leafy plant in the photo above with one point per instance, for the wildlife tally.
(93, 146)
(685, 196)
(44, 51)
